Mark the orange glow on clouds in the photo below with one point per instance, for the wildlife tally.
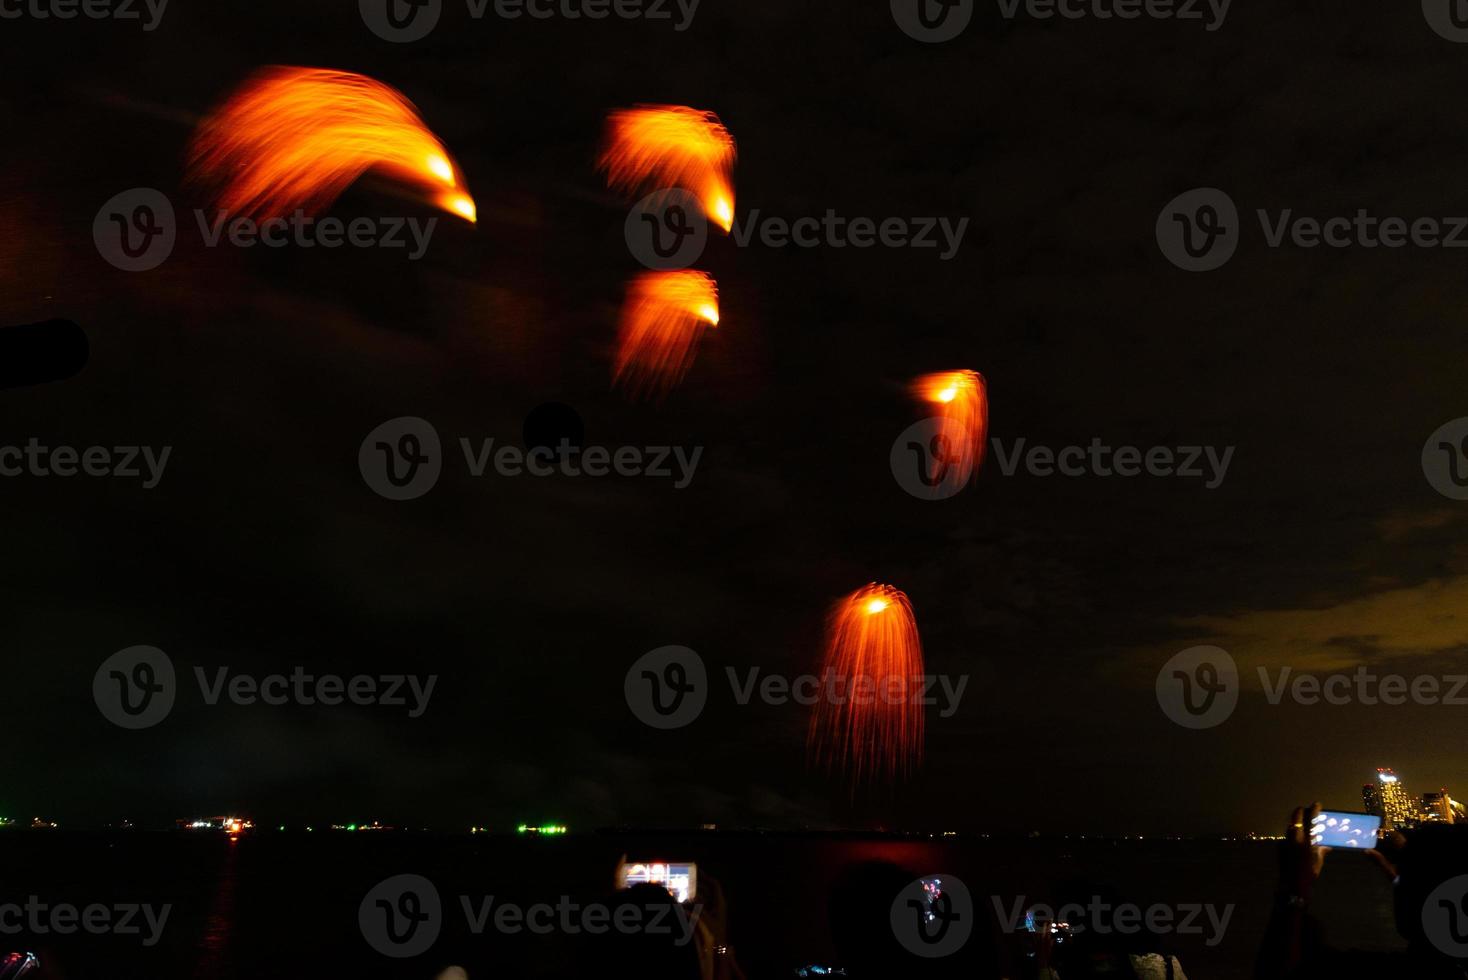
(663, 318)
(960, 400)
(292, 138)
(868, 719)
(658, 146)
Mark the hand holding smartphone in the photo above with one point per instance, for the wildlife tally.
(681, 880)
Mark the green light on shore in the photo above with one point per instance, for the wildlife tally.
(548, 828)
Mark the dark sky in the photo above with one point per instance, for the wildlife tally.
(262, 548)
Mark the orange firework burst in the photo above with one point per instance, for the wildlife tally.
(658, 146)
(294, 138)
(869, 715)
(961, 399)
(664, 316)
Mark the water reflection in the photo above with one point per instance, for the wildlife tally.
(214, 948)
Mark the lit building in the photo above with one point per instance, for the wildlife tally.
(545, 829)
(355, 827)
(230, 825)
(1396, 809)
(1440, 807)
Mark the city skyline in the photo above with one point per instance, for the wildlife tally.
(1387, 796)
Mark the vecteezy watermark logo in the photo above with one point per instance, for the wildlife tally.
(1449, 18)
(402, 21)
(928, 463)
(303, 231)
(1445, 917)
(943, 20)
(135, 230)
(932, 21)
(1445, 459)
(64, 461)
(1121, 918)
(574, 918)
(835, 231)
(90, 9)
(667, 688)
(299, 687)
(1363, 686)
(1199, 687)
(134, 688)
(1120, 10)
(674, 463)
(401, 916)
(667, 229)
(402, 458)
(1199, 230)
(933, 916)
(1205, 463)
(38, 918)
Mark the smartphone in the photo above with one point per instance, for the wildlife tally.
(13, 966)
(680, 879)
(1058, 930)
(1341, 828)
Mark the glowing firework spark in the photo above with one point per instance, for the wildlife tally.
(664, 316)
(659, 146)
(869, 717)
(298, 137)
(961, 402)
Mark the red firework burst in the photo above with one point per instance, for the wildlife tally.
(868, 720)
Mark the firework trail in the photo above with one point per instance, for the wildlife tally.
(868, 720)
(663, 318)
(961, 402)
(292, 138)
(652, 147)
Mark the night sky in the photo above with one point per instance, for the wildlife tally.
(262, 548)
